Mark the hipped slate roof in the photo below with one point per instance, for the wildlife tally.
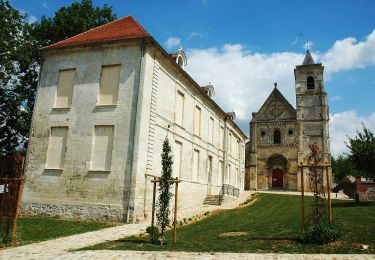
(121, 29)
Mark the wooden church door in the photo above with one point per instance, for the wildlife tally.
(277, 178)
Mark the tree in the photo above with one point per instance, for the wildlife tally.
(18, 74)
(20, 60)
(165, 195)
(342, 167)
(72, 20)
(362, 149)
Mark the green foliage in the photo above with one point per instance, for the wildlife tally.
(342, 167)
(36, 229)
(362, 148)
(20, 61)
(321, 233)
(165, 195)
(154, 234)
(18, 74)
(72, 20)
(272, 224)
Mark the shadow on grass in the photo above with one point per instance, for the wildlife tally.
(134, 241)
(352, 204)
(276, 239)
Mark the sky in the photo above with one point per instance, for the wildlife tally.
(243, 47)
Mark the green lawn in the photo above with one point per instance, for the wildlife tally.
(35, 229)
(272, 224)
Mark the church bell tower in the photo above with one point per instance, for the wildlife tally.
(312, 109)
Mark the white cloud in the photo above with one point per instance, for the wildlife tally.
(196, 34)
(44, 5)
(349, 54)
(343, 125)
(173, 42)
(31, 19)
(243, 79)
(336, 98)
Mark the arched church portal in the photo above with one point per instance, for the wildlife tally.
(277, 166)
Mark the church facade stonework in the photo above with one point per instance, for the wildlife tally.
(280, 135)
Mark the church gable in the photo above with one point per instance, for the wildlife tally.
(276, 107)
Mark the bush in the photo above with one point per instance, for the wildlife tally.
(321, 233)
(154, 234)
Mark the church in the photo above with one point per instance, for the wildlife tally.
(280, 134)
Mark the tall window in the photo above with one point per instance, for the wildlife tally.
(229, 174)
(101, 155)
(230, 144)
(57, 147)
(109, 83)
(197, 121)
(65, 88)
(211, 130)
(195, 165)
(179, 108)
(177, 159)
(221, 174)
(239, 149)
(276, 137)
(310, 82)
(221, 138)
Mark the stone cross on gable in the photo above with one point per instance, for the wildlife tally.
(308, 45)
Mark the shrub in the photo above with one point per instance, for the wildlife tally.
(154, 234)
(321, 233)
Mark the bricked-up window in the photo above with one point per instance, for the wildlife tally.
(180, 108)
(57, 148)
(109, 83)
(221, 138)
(221, 174)
(65, 85)
(310, 82)
(276, 136)
(101, 155)
(195, 165)
(239, 149)
(197, 121)
(177, 159)
(211, 130)
(230, 143)
(229, 174)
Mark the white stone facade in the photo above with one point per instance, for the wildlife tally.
(101, 115)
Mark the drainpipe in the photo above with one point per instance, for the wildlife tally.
(134, 127)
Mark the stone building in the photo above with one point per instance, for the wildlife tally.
(280, 135)
(106, 100)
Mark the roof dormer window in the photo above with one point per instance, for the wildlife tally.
(179, 57)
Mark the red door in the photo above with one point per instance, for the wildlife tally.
(277, 178)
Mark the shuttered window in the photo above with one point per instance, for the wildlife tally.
(197, 121)
(221, 138)
(180, 108)
(65, 88)
(101, 156)
(211, 131)
(177, 159)
(57, 147)
(195, 165)
(109, 84)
